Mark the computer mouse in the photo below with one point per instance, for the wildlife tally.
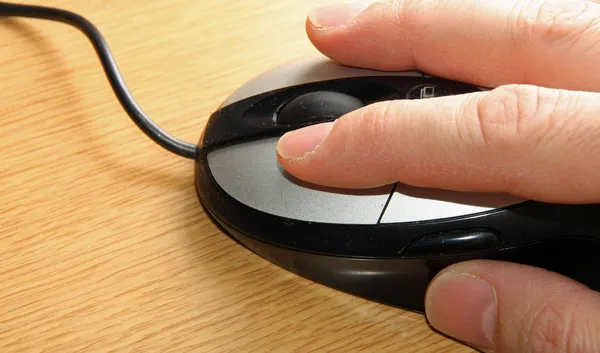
(384, 244)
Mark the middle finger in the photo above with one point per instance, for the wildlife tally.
(553, 43)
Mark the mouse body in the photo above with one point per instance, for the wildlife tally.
(383, 244)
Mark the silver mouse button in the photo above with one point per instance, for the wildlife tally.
(415, 204)
(250, 173)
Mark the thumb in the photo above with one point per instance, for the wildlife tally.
(534, 143)
(507, 307)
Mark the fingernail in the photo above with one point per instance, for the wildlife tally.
(298, 143)
(463, 307)
(338, 14)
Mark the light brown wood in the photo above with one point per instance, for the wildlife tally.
(103, 245)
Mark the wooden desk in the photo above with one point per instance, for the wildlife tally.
(103, 245)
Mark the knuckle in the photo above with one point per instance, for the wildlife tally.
(370, 124)
(505, 115)
(557, 326)
(555, 20)
(412, 14)
(549, 329)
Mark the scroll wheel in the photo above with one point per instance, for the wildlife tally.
(317, 107)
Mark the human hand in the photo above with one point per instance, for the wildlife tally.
(536, 136)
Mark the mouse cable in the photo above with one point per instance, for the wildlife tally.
(151, 129)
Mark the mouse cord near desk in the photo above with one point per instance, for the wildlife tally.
(135, 112)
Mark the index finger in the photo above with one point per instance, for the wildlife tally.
(552, 43)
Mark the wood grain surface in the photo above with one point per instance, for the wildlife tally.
(103, 244)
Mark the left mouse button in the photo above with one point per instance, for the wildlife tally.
(317, 107)
(250, 174)
(454, 242)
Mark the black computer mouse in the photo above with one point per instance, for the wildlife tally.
(383, 244)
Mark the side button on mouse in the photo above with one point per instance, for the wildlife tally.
(453, 242)
(317, 107)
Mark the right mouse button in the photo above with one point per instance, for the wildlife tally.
(454, 242)
(317, 107)
(410, 204)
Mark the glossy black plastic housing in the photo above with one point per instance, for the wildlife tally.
(365, 261)
(390, 263)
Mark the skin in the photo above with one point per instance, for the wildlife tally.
(536, 135)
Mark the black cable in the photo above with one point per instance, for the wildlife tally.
(115, 78)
